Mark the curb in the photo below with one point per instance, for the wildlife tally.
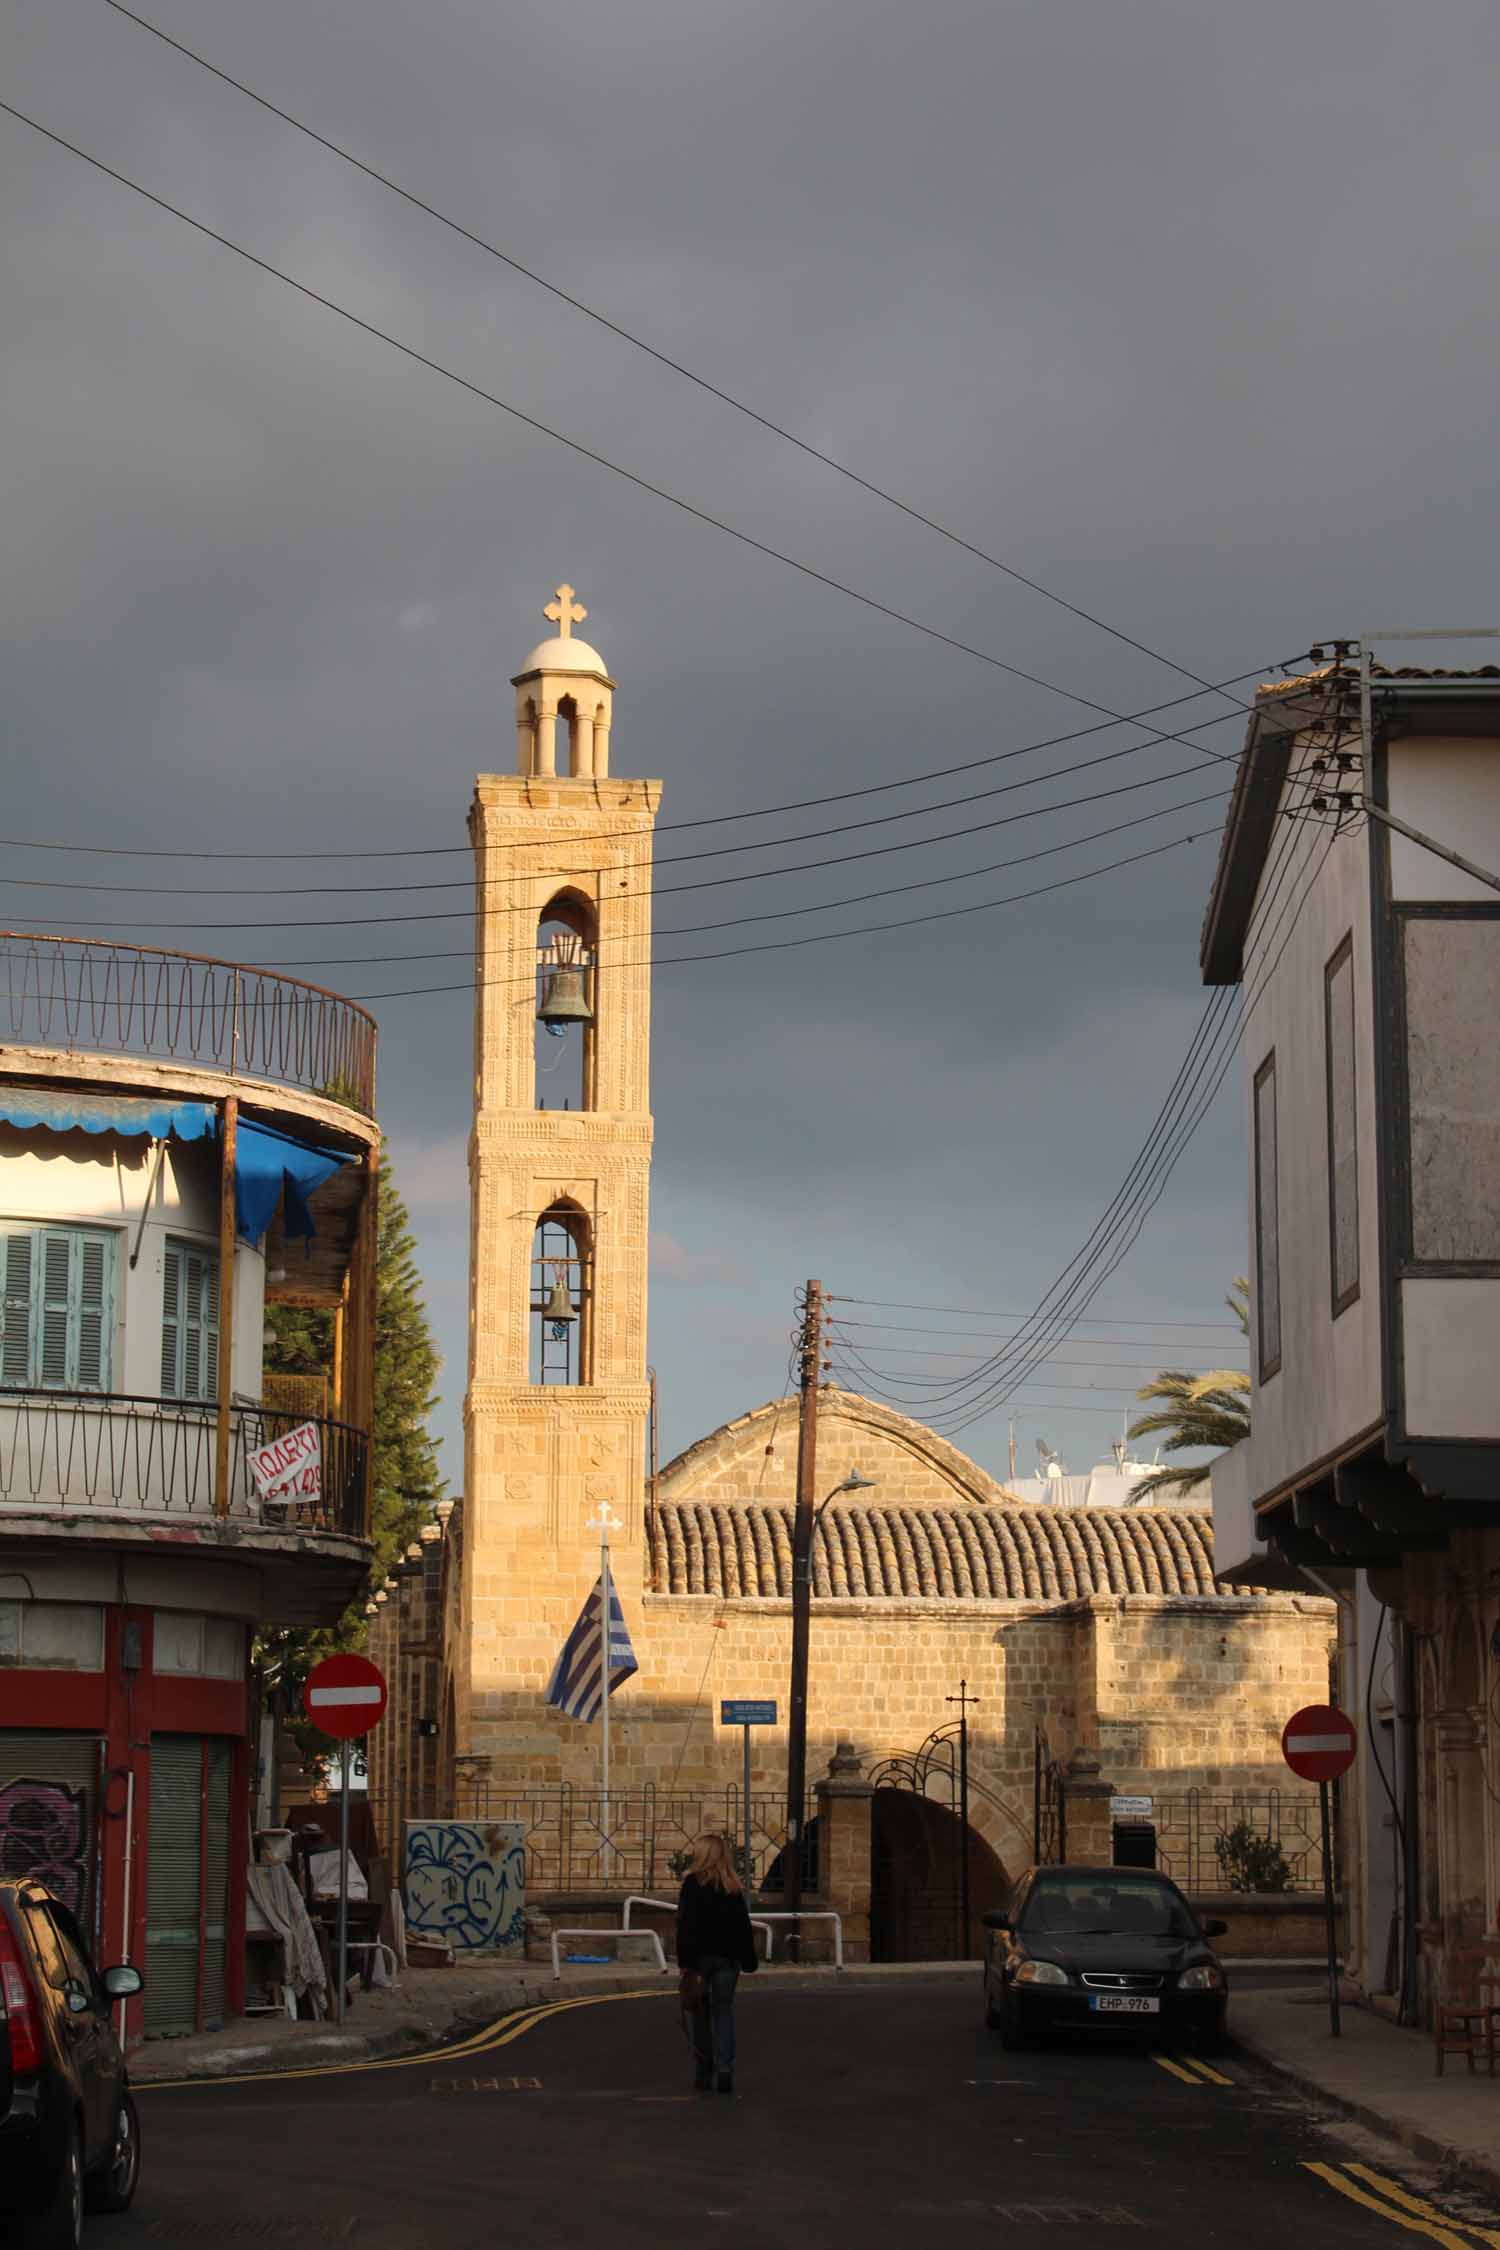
(1425, 2145)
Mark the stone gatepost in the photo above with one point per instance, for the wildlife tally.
(844, 1818)
(1087, 1795)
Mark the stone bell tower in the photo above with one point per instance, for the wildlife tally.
(559, 1170)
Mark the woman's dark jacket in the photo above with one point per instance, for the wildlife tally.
(714, 1924)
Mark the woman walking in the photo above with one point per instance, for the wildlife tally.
(714, 1942)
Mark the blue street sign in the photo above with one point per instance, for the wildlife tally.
(747, 1714)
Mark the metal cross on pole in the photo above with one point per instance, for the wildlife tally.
(963, 1699)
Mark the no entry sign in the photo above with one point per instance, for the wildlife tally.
(345, 1696)
(1318, 1743)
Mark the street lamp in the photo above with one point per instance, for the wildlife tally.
(804, 1524)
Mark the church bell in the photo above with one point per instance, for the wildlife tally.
(564, 999)
(559, 1305)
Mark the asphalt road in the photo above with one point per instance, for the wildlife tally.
(885, 2115)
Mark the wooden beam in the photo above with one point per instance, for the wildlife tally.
(228, 1137)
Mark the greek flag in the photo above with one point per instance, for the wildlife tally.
(577, 1686)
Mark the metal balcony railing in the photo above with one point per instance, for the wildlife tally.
(100, 1452)
(139, 1000)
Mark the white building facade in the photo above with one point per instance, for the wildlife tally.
(182, 1143)
(1370, 968)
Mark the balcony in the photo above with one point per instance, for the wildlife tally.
(83, 996)
(143, 1470)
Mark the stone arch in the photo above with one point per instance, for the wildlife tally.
(754, 1457)
(564, 1054)
(915, 1858)
(562, 1251)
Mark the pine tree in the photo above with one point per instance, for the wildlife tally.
(405, 1479)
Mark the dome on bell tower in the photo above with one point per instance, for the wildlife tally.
(563, 679)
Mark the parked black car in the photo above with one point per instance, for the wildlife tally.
(69, 2137)
(1103, 1949)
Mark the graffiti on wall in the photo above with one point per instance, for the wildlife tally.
(44, 1831)
(466, 1881)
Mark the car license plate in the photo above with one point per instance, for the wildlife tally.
(1123, 2004)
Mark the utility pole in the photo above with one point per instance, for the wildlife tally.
(802, 1537)
(963, 1699)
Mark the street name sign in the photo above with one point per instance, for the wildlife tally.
(744, 1714)
(1130, 1808)
(1318, 1743)
(345, 1696)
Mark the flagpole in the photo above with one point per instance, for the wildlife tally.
(603, 1523)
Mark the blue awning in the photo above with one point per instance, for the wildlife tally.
(268, 1164)
(139, 1116)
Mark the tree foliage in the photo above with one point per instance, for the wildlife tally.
(1193, 1413)
(406, 1481)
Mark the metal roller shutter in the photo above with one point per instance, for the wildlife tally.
(172, 1884)
(215, 1932)
(49, 1797)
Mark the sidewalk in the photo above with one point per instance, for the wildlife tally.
(1377, 2073)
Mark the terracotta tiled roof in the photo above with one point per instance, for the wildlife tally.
(960, 1554)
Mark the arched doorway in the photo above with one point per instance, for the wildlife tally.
(915, 1863)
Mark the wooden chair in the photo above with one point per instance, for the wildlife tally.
(1463, 2018)
(1489, 2004)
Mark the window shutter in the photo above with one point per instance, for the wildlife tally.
(192, 1328)
(210, 1327)
(93, 1312)
(56, 1312)
(15, 1335)
(171, 1321)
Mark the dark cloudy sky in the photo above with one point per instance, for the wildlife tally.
(1188, 311)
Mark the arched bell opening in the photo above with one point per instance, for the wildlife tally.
(566, 955)
(562, 1293)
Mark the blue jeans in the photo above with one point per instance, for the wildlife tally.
(713, 2020)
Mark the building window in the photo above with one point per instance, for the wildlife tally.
(1451, 962)
(52, 1636)
(204, 1648)
(59, 1284)
(1267, 1239)
(190, 1322)
(1343, 1129)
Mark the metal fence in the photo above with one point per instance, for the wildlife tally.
(1254, 1840)
(96, 1450)
(641, 1841)
(141, 1000)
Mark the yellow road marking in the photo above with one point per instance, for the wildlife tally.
(500, 2033)
(1336, 2179)
(1415, 2203)
(1166, 2063)
(1206, 2070)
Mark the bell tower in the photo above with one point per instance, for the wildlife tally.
(559, 1172)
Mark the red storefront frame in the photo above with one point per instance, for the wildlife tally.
(126, 1708)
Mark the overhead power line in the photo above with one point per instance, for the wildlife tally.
(706, 820)
(545, 429)
(652, 351)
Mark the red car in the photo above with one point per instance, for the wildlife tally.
(69, 2137)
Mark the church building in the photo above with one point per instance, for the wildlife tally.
(1102, 1663)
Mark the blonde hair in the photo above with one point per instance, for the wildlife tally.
(713, 1864)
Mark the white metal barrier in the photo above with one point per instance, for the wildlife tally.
(822, 1914)
(649, 1935)
(668, 1906)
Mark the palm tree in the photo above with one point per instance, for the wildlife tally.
(1191, 1412)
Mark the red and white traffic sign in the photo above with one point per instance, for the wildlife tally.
(1318, 1743)
(345, 1695)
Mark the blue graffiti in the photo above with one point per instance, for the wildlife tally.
(466, 1881)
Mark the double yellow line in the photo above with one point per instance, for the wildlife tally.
(1191, 2071)
(501, 2033)
(1374, 2192)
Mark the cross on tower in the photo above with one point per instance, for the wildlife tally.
(565, 612)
